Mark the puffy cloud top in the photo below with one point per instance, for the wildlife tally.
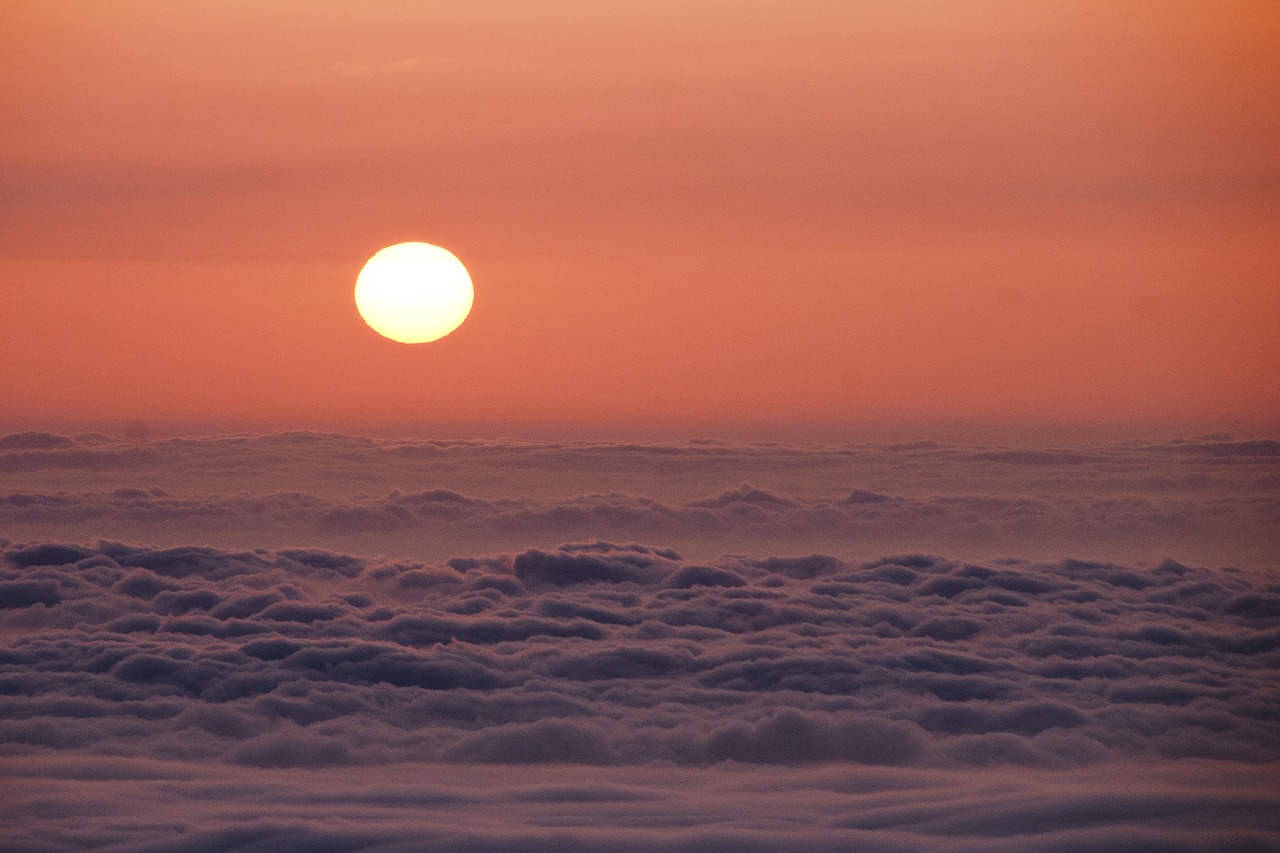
(339, 643)
(1211, 500)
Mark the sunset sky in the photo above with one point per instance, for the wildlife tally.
(865, 434)
(747, 219)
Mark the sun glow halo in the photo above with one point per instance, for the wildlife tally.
(414, 292)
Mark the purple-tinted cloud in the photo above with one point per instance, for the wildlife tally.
(1211, 500)
(910, 674)
(351, 644)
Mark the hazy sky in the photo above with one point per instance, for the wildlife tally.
(712, 217)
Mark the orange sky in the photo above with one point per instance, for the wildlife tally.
(751, 218)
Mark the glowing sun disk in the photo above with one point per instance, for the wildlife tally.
(414, 292)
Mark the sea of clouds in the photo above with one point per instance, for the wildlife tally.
(189, 662)
(1213, 501)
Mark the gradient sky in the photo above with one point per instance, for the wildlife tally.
(747, 217)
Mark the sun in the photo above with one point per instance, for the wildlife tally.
(414, 293)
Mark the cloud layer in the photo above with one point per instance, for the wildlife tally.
(1211, 500)
(622, 695)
